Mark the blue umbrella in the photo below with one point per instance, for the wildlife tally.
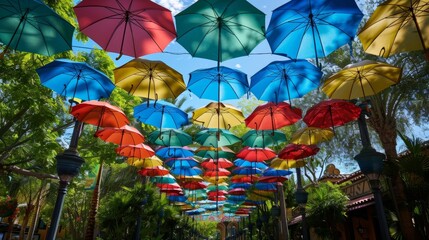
(285, 80)
(236, 198)
(312, 28)
(218, 84)
(244, 163)
(181, 162)
(195, 212)
(266, 186)
(160, 114)
(186, 171)
(270, 172)
(177, 198)
(173, 152)
(75, 80)
(246, 171)
(240, 185)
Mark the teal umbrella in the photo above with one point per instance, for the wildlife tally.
(170, 137)
(163, 179)
(216, 153)
(220, 29)
(31, 26)
(216, 138)
(263, 138)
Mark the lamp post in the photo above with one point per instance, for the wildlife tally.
(301, 197)
(371, 165)
(68, 166)
(139, 220)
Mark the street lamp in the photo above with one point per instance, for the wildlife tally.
(68, 166)
(139, 220)
(371, 165)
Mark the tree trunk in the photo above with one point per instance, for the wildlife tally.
(89, 234)
(27, 216)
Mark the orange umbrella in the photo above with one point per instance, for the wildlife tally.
(217, 173)
(123, 136)
(100, 114)
(136, 151)
(211, 163)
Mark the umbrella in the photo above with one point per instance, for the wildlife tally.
(153, 171)
(100, 114)
(397, 26)
(217, 193)
(312, 28)
(123, 136)
(331, 113)
(160, 114)
(272, 116)
(133, 28)
(272, 179)
(173, 152)
(217, 198)
(216, 138)
(312, 135)
(244, 178)
(361, 80)
(241, 185)
(195, 178)
(31, 26)
(75, 80)
(218, 115)
(137, 151)
(194, 185)
(211, 163)
(149, 79)
(217, 172)
(264, 186)
(285, 80)
(163, 179)
(244, 163)
(170, 137)
(263, 138)
(220, 186)
(218, 84)
(237, 191)
(298, 151)
(256, 154)
(212, 152)
(177, 198)
(246, 171)
(186, 171)
(219, 29)
(145, 162)
(284, 164)
(216, 180)
(181, 162)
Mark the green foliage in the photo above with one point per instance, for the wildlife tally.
(326, 207)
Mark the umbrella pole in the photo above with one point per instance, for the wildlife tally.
(361, 85)
(287, 87)
(314, 38)
(127, 19)
(332, 120)
(419, 32)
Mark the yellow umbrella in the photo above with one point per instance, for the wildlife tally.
(149, 79)
(195, 178)
(218, 115)
(284, 164)
(144, 163)
(361, 79)
(397, 26)
(312, 135)
(221, 179)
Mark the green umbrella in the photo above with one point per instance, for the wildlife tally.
(219, 187)
(220, 29)
(170, 137)
(263, 138)
(163, 179)
(216, 138)
(31, 26)
(215, 153)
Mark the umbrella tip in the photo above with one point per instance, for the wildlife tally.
(120, 55)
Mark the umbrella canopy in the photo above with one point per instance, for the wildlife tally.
(133, 28)
(216, 138)
(186, 171)
(212, 152)
(218, 84)
(160, 114)
(270, 172)
(217, 172)
(264, 186)
(149, 79)
(170, 137)
(153, 171)
(145, 162)
(272, 179)
(100, 114)
(272, 116)
(298, 151)
(217, 193)
(263, 138)
(123, 136)
(163, 179)
(397, 26)
(284, 164)
(173, 152)
(211, 163)
(194, 185)
(246, 171)
(177, 198)
(217, 198)
(135, 151)
(237, 191)
(361, 80)
(312, 135)
(220, 186)
(241, 185)
(331, 113)
(244, 178)
(256, 154)
(31, 26)
(195, 178)
(75, 80)
(313, 28)
(218, 115)
(285, 80)
(244, 163)
(181, 162)
(220, 29)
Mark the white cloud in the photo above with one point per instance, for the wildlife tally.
(175, 6)
(237, 65)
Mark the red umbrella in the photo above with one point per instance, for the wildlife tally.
(217, 173)
(154, 171)
(298, 151)
(100, 114)
(237, 191)
(168, 186)
(211, 163)
(194, 185)
(217, 193)
(122, 136)
(256, 154)
(140, 151)
(217, 198)
(133, 28)
(331, 113)
(272, 179)
(244, 178)
(272, 116)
